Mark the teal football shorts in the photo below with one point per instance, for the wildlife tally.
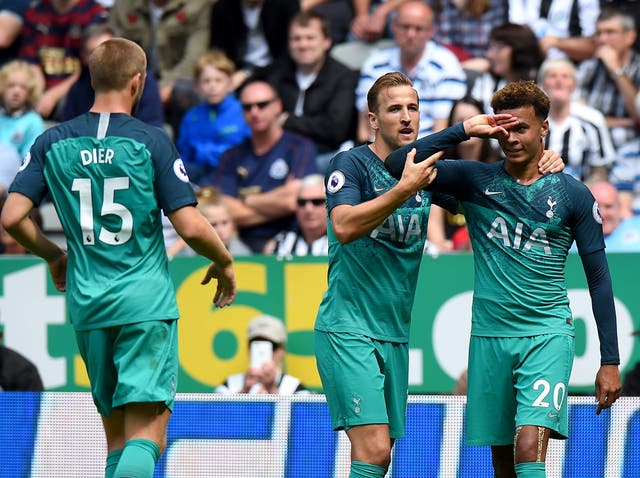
(133, 363)
(516, 381)
(365, 380)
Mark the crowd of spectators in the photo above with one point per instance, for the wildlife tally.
(258, 94)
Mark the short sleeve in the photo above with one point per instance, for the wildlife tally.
(172, 182)
(343, 181)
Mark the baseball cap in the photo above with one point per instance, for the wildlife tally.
(267, 327)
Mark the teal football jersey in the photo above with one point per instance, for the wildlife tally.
(372, 280)
(521, 235)
(109, 176)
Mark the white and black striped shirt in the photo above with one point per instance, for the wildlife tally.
(582, 140)
(292, 243)
(560, 18)
(483, 88)
(599, 91)
(438, 78)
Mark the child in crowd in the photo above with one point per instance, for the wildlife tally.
(20, 124)
(213, 208)
(213, 126)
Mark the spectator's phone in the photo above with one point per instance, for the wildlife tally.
(261, 351)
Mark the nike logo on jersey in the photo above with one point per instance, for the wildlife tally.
(487, 192)
(378, 190)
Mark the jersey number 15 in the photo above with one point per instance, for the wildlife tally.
(109, 206)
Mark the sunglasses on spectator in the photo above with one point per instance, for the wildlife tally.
(259, 104)
(315, 201)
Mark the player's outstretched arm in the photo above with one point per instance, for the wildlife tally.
(202, 238)
(352, 222)
(416, 175)
(425, 147)
(608, 386)
(482, 126)
(16, 221)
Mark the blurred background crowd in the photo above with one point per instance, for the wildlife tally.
(259, 95)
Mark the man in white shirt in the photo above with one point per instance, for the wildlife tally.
(435, 71)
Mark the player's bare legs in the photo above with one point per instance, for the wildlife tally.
(114, 429)
(142, 425)
(530, 447)
(137, 420)
(371, 444)
(531, 444)
(502, 458)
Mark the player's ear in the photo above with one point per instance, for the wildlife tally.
(545, 129)
(373, 120)
(132, 88)
(136, 84)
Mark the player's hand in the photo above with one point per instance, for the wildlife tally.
(608, 386)
(417, 176)
(550, 162)
(226, 289)
(58, 270)
(490, 126)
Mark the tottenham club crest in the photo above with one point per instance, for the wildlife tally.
(356, 404)
(552, 204)
(335, 182)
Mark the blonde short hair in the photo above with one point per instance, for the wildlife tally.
(35, 90)
(216, 59)
(114, 63)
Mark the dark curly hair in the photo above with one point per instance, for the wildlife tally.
(521, 93)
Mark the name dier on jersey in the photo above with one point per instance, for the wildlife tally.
(96, 156)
